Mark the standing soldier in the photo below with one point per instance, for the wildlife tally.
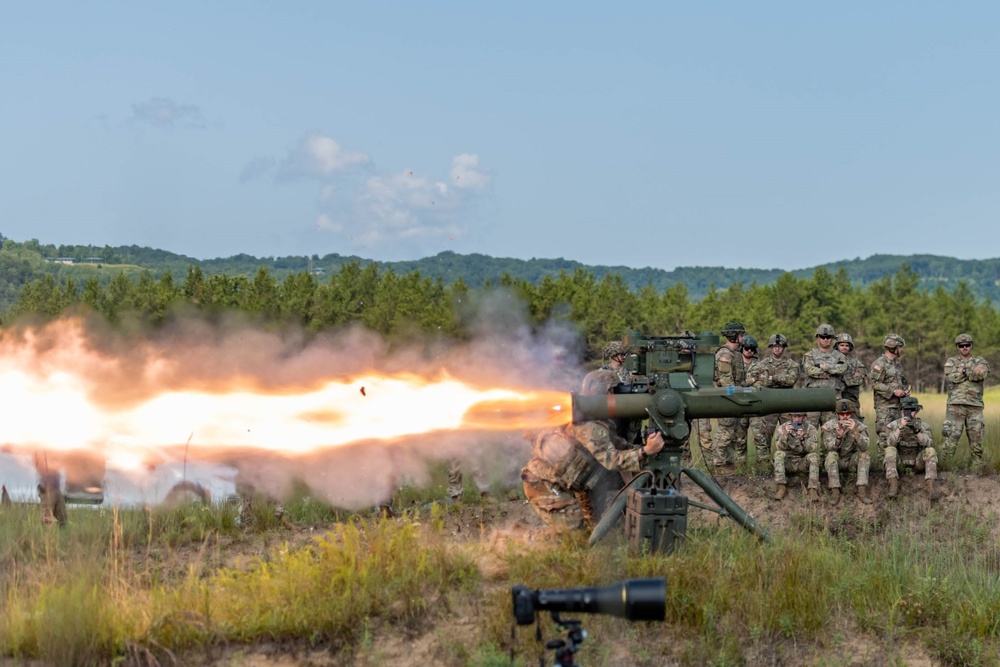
(845, 439)
(615, 353)
(773, 371)
(910, 443)
(855, 375)
(729, 372)
(796, 450)
(965, 374)
(823, 366)
(889, 384)
(748, 350)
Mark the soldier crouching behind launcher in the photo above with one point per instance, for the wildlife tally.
(576, 469)
(797, 443)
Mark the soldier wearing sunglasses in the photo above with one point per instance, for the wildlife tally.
(965, 373)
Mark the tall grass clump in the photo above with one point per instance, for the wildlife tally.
(327, 592)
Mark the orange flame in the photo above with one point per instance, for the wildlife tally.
(55, 397)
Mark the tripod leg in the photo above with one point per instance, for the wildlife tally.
(736, 513)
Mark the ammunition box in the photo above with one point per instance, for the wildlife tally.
(655, 520)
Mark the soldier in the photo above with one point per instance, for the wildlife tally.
(730, 371)
(615, 353)
(823, 366)
(910, 443)
(53, 502)
(845, 439)
(574, 469)
(965, 374)
(855, 375)
(796, 450)
(773, 371)
(889, 384)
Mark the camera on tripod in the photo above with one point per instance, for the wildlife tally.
(632, 599)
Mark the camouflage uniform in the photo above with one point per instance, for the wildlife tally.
(796, 450)
(911, 446)
(886, 376)
(835, 365)
(769, 373)
(574, 471)
(847, 450)
(853, 378)
(729, 442)
(965, 402)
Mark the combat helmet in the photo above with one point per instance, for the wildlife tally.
(892, 341)
(825, 330)
(732, 330)
(963, 338)
(844, 338)
(909, 403)
(843, 406)
(777, 339)
(750, 342)
(598, 382)
(615, 348)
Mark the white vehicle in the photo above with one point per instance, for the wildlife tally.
(170, 482)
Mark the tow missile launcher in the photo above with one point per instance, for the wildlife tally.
(672, 383)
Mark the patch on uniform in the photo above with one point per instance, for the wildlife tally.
(876, 367)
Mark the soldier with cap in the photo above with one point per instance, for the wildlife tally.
(855, 375)
(965, 373)
(845, 440)
(823, 366)
(889, 385)
(574, 470)
(910, 444)
(772, 371)
(730, 371)
(796, 450)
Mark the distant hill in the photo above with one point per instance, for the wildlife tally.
(23, 262)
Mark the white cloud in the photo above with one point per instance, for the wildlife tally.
(320, 157)
(165, 113)
(380, 209)
(465, 173)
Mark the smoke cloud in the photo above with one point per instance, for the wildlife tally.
(125, 366)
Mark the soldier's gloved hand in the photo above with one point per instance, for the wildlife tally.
(654, 443)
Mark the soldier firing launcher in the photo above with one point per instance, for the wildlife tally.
(672, 384)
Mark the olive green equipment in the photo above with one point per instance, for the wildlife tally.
(672, 385)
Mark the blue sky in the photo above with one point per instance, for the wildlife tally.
(664, 134)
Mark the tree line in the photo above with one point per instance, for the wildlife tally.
(402, 306)
(31, 259)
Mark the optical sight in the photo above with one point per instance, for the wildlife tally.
(633, 600)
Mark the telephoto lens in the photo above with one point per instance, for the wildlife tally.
(632, 599)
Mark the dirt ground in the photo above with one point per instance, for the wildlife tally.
(498, 522)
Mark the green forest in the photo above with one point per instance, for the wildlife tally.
(408, 305)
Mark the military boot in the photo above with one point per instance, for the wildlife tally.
(932, 491)
(813, 495)
(893, 488)
(863, 495)
(779, 492)
(834, 496)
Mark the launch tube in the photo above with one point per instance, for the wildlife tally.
(703, 403)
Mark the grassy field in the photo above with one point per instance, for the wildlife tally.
(914, 583)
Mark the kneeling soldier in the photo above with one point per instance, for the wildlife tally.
(797, 443)
(909, 443)
(845, 440)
